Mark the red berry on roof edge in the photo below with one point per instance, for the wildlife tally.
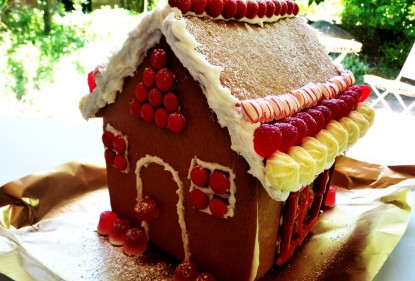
(186, 271)
(262, 8)
(289, 135)
(198, 6)
(252, 9)
(319, 117)
(365, 92)
(229, 8)
(183, 5)
(284, 8)
(300, 125)
(277, 4)
(267, 140)
(241, 9)
(214, 7)
(270, 8)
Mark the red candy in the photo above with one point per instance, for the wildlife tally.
(183, 5)
(198, 6)
(241, 9)
(145, 209)
(198, 199)
(119, 144)
(141, 92)
(106, 220)
(219, 182)
(160, 118)
(320, 121)
(214, 7)
(330, 200)
(218, 208)
(176, 122)
(147, 112)
(158, 59)
(118, 231)
(277, 4)
(296, 9)
(365, 92)
(120, 162)
(171, 102)
(205, 277)
(91, 82)
(186, 271)
(267, 140)
(155, 97)
(229, 8)
(135, 108)
(300, 125)
(135, 242)
(284, 7)
(199, 176)
(164, 80)
(252, 9)
(109, 157)
(107, 138)
(289, 135)
(148, 77)
(270, 8)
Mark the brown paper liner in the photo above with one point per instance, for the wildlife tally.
(48, 223)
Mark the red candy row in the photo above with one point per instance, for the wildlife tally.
(237, 8)
(269, 138)
(153, 100)
(115, 148)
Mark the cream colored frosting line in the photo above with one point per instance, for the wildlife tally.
(144, 162)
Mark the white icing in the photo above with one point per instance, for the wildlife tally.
(144, 162)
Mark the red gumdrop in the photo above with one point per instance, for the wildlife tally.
(186, 271)
(145, 209)
(164, 80)
(198, 199)
(148, 77)
(141, 92)
(278, 7)
(309, 120)
(147, 113)
(333, 106)
(118, 231)
(365, 92)
(330, 200)
(217, 207)
(205, 277)
(106, 221)
(270, 8)
(119, 144)
(284, 7)
(155, 97)
(219, 182)
(91, 82)
(289, 135)
(350, 101)
(229, 8)
(109, 157)
(160, 117)
(267, 140)
(158, 59)
(107, 139)
(135, 108)
(198, 6)
(251, 9)
(171, 102)
(241, 9)
(326, 112)
(135, 242)
(183, 5)
(120, 162)
(214, 7)
(300, 125)
(199, 176)
(319, 117)
(262, 8)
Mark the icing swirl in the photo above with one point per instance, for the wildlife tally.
(282, 171)
(361, 121)
(307, 164)
(352, 130)
(317, 150)
(339, 133)
(327, 139)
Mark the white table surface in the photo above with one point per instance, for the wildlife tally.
(31, 145)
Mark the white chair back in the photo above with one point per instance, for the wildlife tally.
(407, 74)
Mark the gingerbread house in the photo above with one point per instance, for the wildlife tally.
(230, 116)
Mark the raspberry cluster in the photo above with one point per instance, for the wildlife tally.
(211, 189)
(237, 9)
(154, 100)
(115, 150)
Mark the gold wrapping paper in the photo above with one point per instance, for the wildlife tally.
(48, 223)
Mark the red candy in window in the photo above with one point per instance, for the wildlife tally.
(199, 176)
(218, 208)
(119, 144)
(107, 138)
(219, 182)
(120, 162)
(109, 157)
(198, 199)
(155, 97)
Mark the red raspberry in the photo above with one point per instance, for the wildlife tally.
(172, 3)
(241, 9)
(300, 125)
(296, 9)
(118, 231)
(267, 140)
(214, 7)
(147, 112)
(148, 77)
(330, 200)
(119, 144)
(199, 176)
(277, 4)
(343, 108)
(135, 108)
(109, 157)
(349, 100)
(365, 92)
(229, 8)
(262, 8)
(290, 7)
(357, 89)
(176, 122)
(145, 209)
(120, 162)
(158, 58)
(252, 9)
(289, 135)
(310, 122)
(106, 221)
(107, 139)
(326, 112)
(198, 6)
(205, 277)
(171, 102)
(219, 182)
(141, 92)
(319, 117)
(198, 199)
(217, 207)
(160, 117)
(164, 80)
(333, 106)
(186, 271)
(135, 242)
(270, 8)
(183, 5)
(354, 94)
(155, 97)
(284, 7)
(91, 82)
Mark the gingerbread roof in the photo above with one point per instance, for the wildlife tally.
(252, 71)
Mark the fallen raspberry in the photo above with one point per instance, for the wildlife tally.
(199, 176)
(186, 271)
(267, 140)
(145, 209)
(219, 182)
(217, 207)
(135, 242)
(118, 231)
(106, 221)
(198, 199)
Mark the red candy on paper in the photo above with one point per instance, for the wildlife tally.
(106, 221)
(135, 242)
(330, 200)
(118, 231)
(149, 77)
